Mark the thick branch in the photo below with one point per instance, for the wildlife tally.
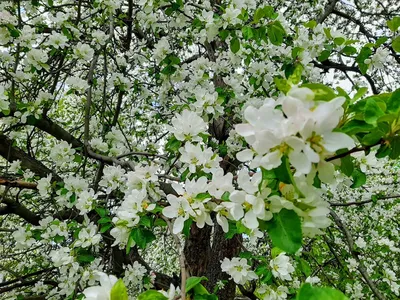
(11, 153)
(13, 207)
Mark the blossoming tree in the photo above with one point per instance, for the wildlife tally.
(200, 149)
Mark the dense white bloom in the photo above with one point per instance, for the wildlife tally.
(4, 104)
(187, 126)
(134, 274)
(281, 267)
(268, 293)
(23, 238)
(61, 256)
(161, 49)
(77, 83)
(103, 291)
(360, 242)
(37, 58)
(62, 153)
(88, 236)
(44, 186)
(113, 177)
(220, 183)
(15, 166)
(238, 269)
(83, 51)
(180, 210)
(57, 40)
(304, 133)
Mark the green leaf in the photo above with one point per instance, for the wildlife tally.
(191, 282)
(349, 50)
(395, 145)
(359, 179)
(347, 165)
(295, 78)
(235, 45)
(186, 227)
(225, 196)
(282, 84)
(360, 93)
(84, 256)
(102, 212)
(202, 196)
(362, 56)
(373, 137)
(308, 292)
(258, 15)
(282, 172)
(173, 144)
(321, 91)
(305, 267)
(160, 222)
(104, 220)
(223, 34)
(356, 126)
(152, 295)
(396, 44)
(393, 24)
(372, 111)
(324, 55)
(276, 32)
(310, 24)
(142, 237)
(285, 231)
(247, 32)
(118, 291)
(393, 103)
(339, 41)
(145, 221)
(104, 228)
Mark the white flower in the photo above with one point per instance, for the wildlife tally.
(172, 293)
(37, 58)
(15, 166)
(85, 200)
(180, 209)
(238, 269)
(187, 126)
(161, 49)
(61, 257)
(360, 242)
(77, 83)
(101, 292)
(220, 183)
(313, 280)
(83, 51)
(267, 293)
(281, 267)
(113, 177)
(44, 185)
(231, 15)
(62, 153)
(4, 104)
(193, 156)
(57, 40)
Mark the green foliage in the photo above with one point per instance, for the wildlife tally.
(152, 295)
(285, 231)
(308, 292)
(119, 291)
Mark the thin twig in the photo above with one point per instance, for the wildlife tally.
(350, 244)
(182, 259)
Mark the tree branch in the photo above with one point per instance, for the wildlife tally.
(350, 244)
